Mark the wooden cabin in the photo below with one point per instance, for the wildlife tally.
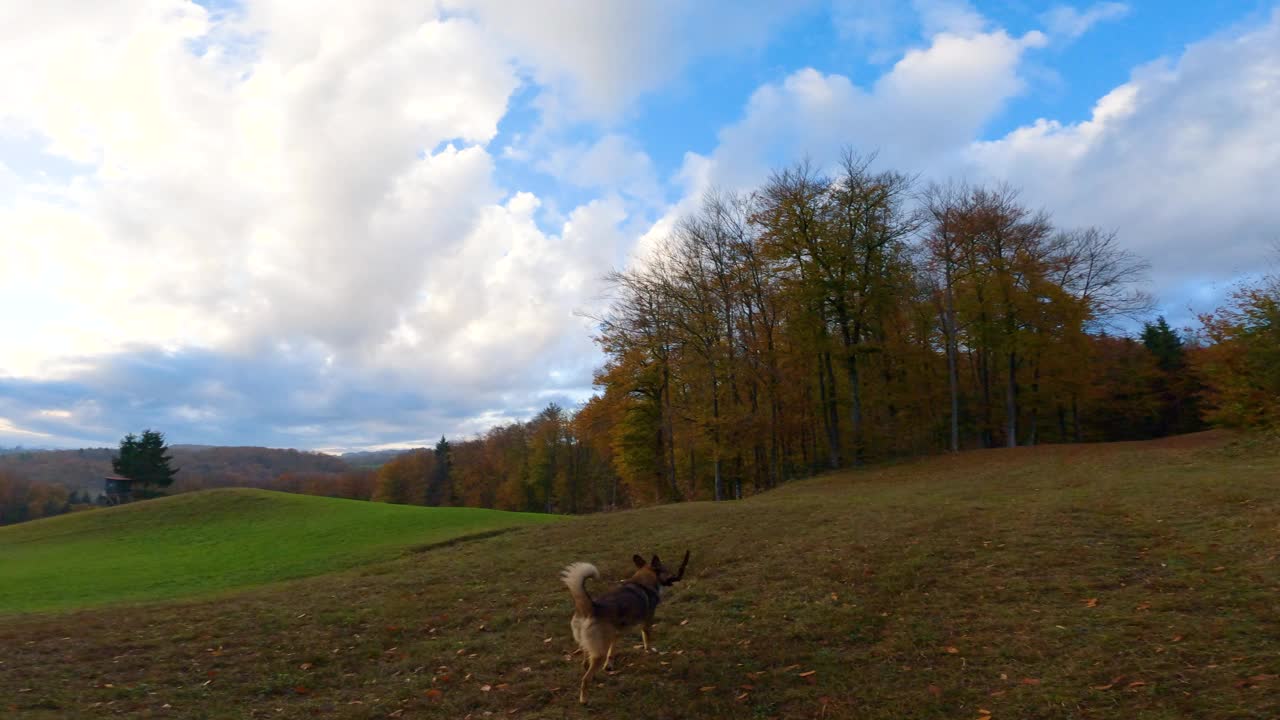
(118, 489)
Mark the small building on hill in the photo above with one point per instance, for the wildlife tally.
(118, 489)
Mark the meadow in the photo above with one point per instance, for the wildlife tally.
(1128, 580)
(214, 541)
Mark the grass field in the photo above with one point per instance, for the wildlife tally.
(200, 543)
(1134, 580)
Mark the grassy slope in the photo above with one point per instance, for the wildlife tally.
(950, 588)
(198, 543)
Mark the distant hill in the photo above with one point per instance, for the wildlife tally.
(200, 465)
(370, 459)
(204, 542)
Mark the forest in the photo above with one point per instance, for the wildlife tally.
(825, 321)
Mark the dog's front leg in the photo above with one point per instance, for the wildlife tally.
(608, 658)
(645, 631)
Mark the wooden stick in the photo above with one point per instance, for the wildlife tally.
(683, 564)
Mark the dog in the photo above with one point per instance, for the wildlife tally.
(597, 622)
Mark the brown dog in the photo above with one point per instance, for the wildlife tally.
(597, 623)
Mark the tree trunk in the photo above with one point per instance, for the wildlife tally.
(953, 373)
(1011, 402)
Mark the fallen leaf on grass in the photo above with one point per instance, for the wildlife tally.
(1254, 681)
(486, 688)
(708, 688)
(302, 690)
(1114, 682)
(1176, 638)
(685, 621)
(935, 691)
(1030, 681)
(1091, 602)
(810, 673)
(1135, 684)
(1143, 606)
(433, 694)
(951, 650)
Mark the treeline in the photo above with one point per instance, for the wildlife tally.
(40, 483)
(827, 321)
(200, 466)
(22, 499)
(824, 322)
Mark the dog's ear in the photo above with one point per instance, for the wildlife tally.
(639, 561)
(655, 562)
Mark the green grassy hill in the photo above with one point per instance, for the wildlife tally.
(203, 542)
(1135, 580)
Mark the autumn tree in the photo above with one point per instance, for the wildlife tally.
(1241, 363)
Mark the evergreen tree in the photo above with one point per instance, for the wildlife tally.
(145, 460)
(440, 484)
(1164, 344)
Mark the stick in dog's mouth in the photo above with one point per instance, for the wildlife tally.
(679, 573)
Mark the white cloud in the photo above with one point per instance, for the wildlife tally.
(1180, 159)
(930, 103)
(1068, 23)
(288, 180)
(613, 161)
(597, 57)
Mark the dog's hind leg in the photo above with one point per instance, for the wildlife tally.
(608, 658)
(593, 665)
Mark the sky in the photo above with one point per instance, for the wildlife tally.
(332, 225)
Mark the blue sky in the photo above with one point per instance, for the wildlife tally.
(336, 225)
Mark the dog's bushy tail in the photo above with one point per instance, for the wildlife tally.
(575, 576)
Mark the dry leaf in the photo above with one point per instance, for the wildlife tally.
(486, 688)
(433, 694)
(708, 688)
(685, 621)
(1254, 681)
(1091, 602)
(1030, 681)
(952, 650)
(1177, 638)
(935, 691)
